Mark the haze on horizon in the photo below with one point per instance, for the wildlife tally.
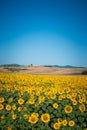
(43, 32)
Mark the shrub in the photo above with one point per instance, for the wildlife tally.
(84, 73)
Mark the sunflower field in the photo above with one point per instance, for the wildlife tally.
(43, 102)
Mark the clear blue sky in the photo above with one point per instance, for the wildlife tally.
(43, 32)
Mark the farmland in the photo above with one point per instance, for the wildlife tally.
(42, 70)
(43, 102)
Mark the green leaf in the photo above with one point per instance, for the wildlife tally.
(80, 119)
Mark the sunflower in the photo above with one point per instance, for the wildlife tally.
(1, 106)
(68, 109)
(68, 96)
(63, 96)
(3, 116)
(56, 126)
(31, 101)
(8, 107)
(33, 119)
(74, 102)
(20, 101)
(55, 105)
(13, 107)
(59, 120)
(25, 109)
(36, 114)
(41, 99)
(64, 122)
(60, 91)
(25, 116)
(82, 108)
(60, 97)
(45, 118)
(2, 99)
(80, 101)
(19, 109)
(51, 95)
(14, 116)
(10, 100)
(71, 123)
(9, 128)
(68, 90)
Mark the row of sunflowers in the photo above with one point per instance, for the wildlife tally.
(38, 102)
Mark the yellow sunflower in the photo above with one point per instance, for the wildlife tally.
(41, 99)
(8, 107)
(9, 128)
(80, 101)
(10, 100)
(14, 116)
(19, 109)
(74, 102)
(31, 101)
(51, 95)
(25, 109)
(2, 99)
(60, 91)
(3, 116)
(71, 123)
(13, 107)
(45, 118)
(33, 119)
(64, 122)
(59, 120)
(36, 114)
(25, 116)
(82, 108)
(20, 101)
(68, 109)
(60, 97)
(55, 105)
(1, 106)
(56, 126)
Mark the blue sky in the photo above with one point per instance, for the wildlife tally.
(43, 32)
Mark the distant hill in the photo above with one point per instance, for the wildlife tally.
(56, 66)
(51, 70)
(66, 66)
(10, 65)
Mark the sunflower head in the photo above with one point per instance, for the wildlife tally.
(31, 101)
(56, 126)
(1, 106)
(10, 100)
(8, 107)
(71, 123)
(20, 101)
(64, 122)
(13, 107)
(33, 119)
(68, 109)
(82, 108)
(9, 128)
(55, 105)
(2, 99)
(74, 102)
(19, 109)
(45, 118)
(14, 116)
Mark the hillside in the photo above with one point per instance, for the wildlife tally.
(42, 70)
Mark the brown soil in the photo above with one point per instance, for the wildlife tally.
(46, 70)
